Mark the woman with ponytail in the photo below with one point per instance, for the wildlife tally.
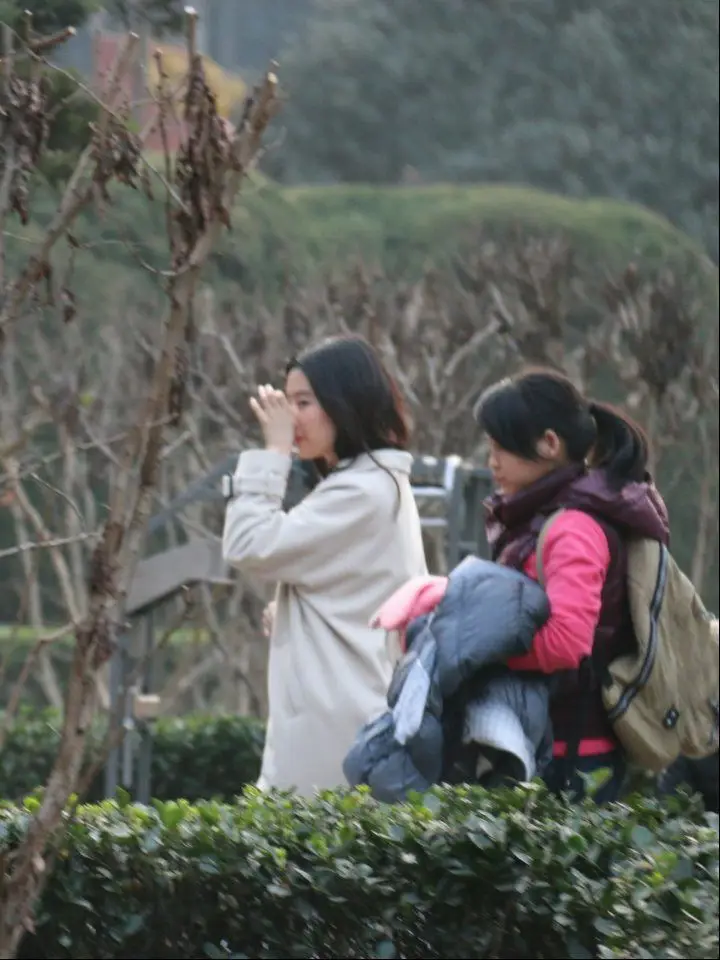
(553, 449)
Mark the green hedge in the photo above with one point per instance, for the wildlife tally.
(282, 233)
(401, 227)
(195, 757)
(458, 873)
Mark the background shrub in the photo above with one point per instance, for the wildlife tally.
(293, 235)
(199, 757)
(193, 756)
(459, 873)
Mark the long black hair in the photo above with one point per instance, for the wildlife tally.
(357, 393)
(517, 412)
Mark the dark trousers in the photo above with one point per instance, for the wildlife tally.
(557, 779)
(697, 776)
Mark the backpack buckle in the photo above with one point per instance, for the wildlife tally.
(671, 718)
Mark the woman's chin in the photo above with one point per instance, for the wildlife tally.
(303, 453)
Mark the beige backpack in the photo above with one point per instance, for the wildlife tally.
(663, 699)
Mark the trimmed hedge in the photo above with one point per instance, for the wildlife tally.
(195, 757)
(401, 227)
(457, 873)
(296, 233)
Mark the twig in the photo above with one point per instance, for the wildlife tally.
(42, 44)
(175, 445)
(116, 731)
(63, 496)
(213, 624)
(32, 421)
(165, 180)
(80, 87)
(78, 193)
(47, 544)
(19, 685)
(191, 20)
(9, 154)
(162, 123)
(101, 443)
(230, 352)
(473, 344)
(56, 557)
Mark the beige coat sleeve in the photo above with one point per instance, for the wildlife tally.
(305, 547)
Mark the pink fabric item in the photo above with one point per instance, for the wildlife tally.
(576, 558)
(416, 597)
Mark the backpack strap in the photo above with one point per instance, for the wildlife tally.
(540, 546)
(584, 670)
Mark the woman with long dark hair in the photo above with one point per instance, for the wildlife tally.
(551, 448)
(349, 544)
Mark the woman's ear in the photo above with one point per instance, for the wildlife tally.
(550, 446)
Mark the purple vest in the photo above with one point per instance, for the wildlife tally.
(513, 526)
(577, 709)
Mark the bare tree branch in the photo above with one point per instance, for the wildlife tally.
(78, 193)
(49, 544)
(208, 172)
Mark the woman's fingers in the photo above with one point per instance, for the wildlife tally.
(271, 399)
(268, 405)
(275, 417)
(275, 398)
(258, 410)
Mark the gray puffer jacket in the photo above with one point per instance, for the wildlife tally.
(455, 664)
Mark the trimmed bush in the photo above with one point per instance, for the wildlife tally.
(457, 873)
(297, 233)
(199, 757)
(194, 757)
(28, 753)
(402, 227)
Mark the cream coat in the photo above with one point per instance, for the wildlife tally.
(337, 556)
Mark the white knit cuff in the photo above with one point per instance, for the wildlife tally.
(263, 472)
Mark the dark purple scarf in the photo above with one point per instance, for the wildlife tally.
(513, 523)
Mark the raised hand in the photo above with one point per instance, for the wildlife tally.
(275, 417)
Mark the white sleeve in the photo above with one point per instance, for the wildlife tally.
(304, 547)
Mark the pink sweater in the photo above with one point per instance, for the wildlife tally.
(576, 558)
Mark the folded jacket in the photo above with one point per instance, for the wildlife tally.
(485, 615)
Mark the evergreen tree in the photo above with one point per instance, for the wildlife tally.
(617, 99)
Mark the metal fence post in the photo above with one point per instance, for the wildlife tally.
(117, 684)
(145, 727)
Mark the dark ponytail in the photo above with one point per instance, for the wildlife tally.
(621, 447)
(517, 411)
